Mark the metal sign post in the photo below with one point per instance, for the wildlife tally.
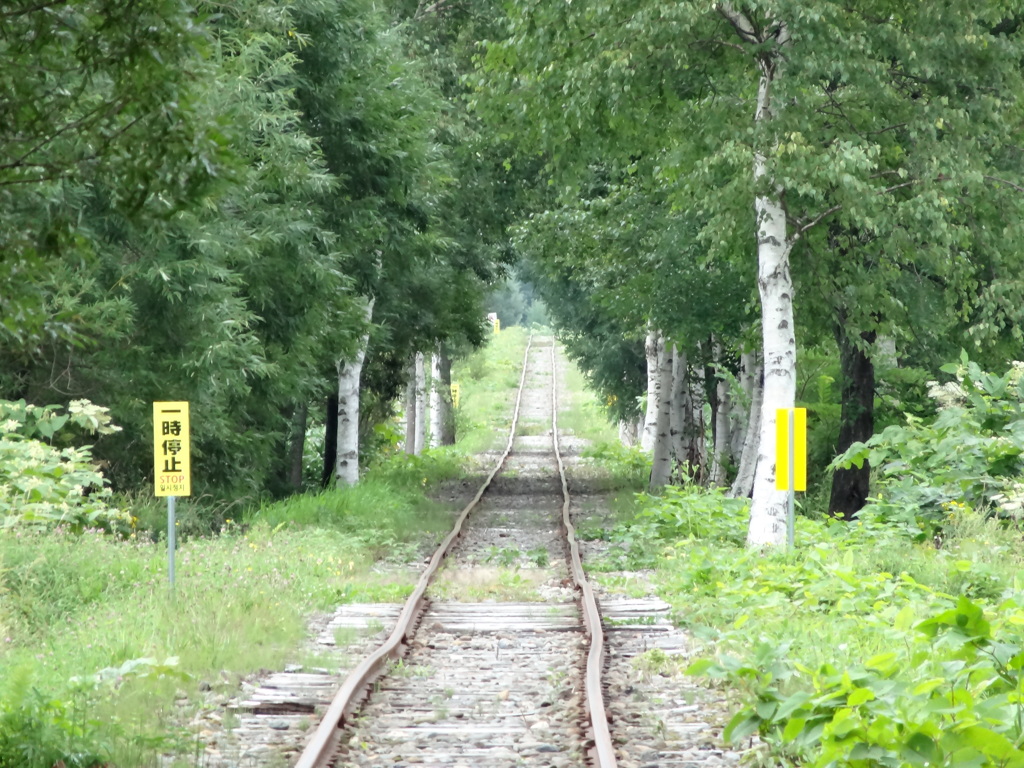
(171, 538)
(172, 470)
(791, 460)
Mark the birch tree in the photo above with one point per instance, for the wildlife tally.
(663, 459)
(436, 401)
(419, 376)
(346, 471)
(653, 347)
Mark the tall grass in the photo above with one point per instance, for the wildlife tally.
(96, 651)
(580, 411)
(90, 606)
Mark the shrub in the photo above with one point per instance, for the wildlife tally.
(971, 453)
(41, 483)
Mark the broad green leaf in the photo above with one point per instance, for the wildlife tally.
(860, 696)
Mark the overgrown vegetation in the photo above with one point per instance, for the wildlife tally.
(487, 381)
(895, 640)
(89, 628)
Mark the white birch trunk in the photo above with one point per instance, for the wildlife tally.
(661, 468)
(420, 380)
(436, 415)
(346, 467)
(769, 506)
(723, 424)
(409, 444)
(679, 413)
(741, 403)
(628, 432)
(445, 424)
(774, 243)
(694, 438)
(650, 427)
(743, 485)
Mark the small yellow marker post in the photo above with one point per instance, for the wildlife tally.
(791, 458)
(172, 464)
(497, 325)
(456, 394)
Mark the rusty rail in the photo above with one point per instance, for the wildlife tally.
(324, 741)
(602, 754)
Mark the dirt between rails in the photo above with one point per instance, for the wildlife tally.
(479, 712)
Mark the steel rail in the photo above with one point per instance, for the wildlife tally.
(602, 754)
(324, 742)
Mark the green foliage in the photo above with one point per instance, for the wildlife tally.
(323, 135)
(385, 513)
(41, 484)
(97, 609)
(690, 512)
(970, 453)
(37, 731)
(684, 512)
(622, 467)
(44, 422)
(947, 695)
(862, 647)
(100, 100)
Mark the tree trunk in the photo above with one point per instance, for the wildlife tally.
(681, 414)
(723, 436)
(741, 403)
(628, 432)
(346, 471)
(409, 443)
(661, 468)
(421, 403)
(695, 454)
(435, 400)
(743, 485)
(297, 446)
(850, 487)
(768, 509)
(330, 442)
(446, 419)
(723, 422)
(651, 417)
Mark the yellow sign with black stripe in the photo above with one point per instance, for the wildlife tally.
(791, 440)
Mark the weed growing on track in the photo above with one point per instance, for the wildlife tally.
(488, 379)
(580, 413)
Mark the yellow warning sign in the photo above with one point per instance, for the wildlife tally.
(787, 444)
(172, 474)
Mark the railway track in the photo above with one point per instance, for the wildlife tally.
(496, 660)
(477, 682)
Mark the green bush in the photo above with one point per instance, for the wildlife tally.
(622, 466)
(948, 694)
(41, 483)
(971, 453)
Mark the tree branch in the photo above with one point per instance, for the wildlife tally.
(740, 22)
(1007, 183)
(725, 43)
(817, 220)
(838, 207)
(33, 9)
